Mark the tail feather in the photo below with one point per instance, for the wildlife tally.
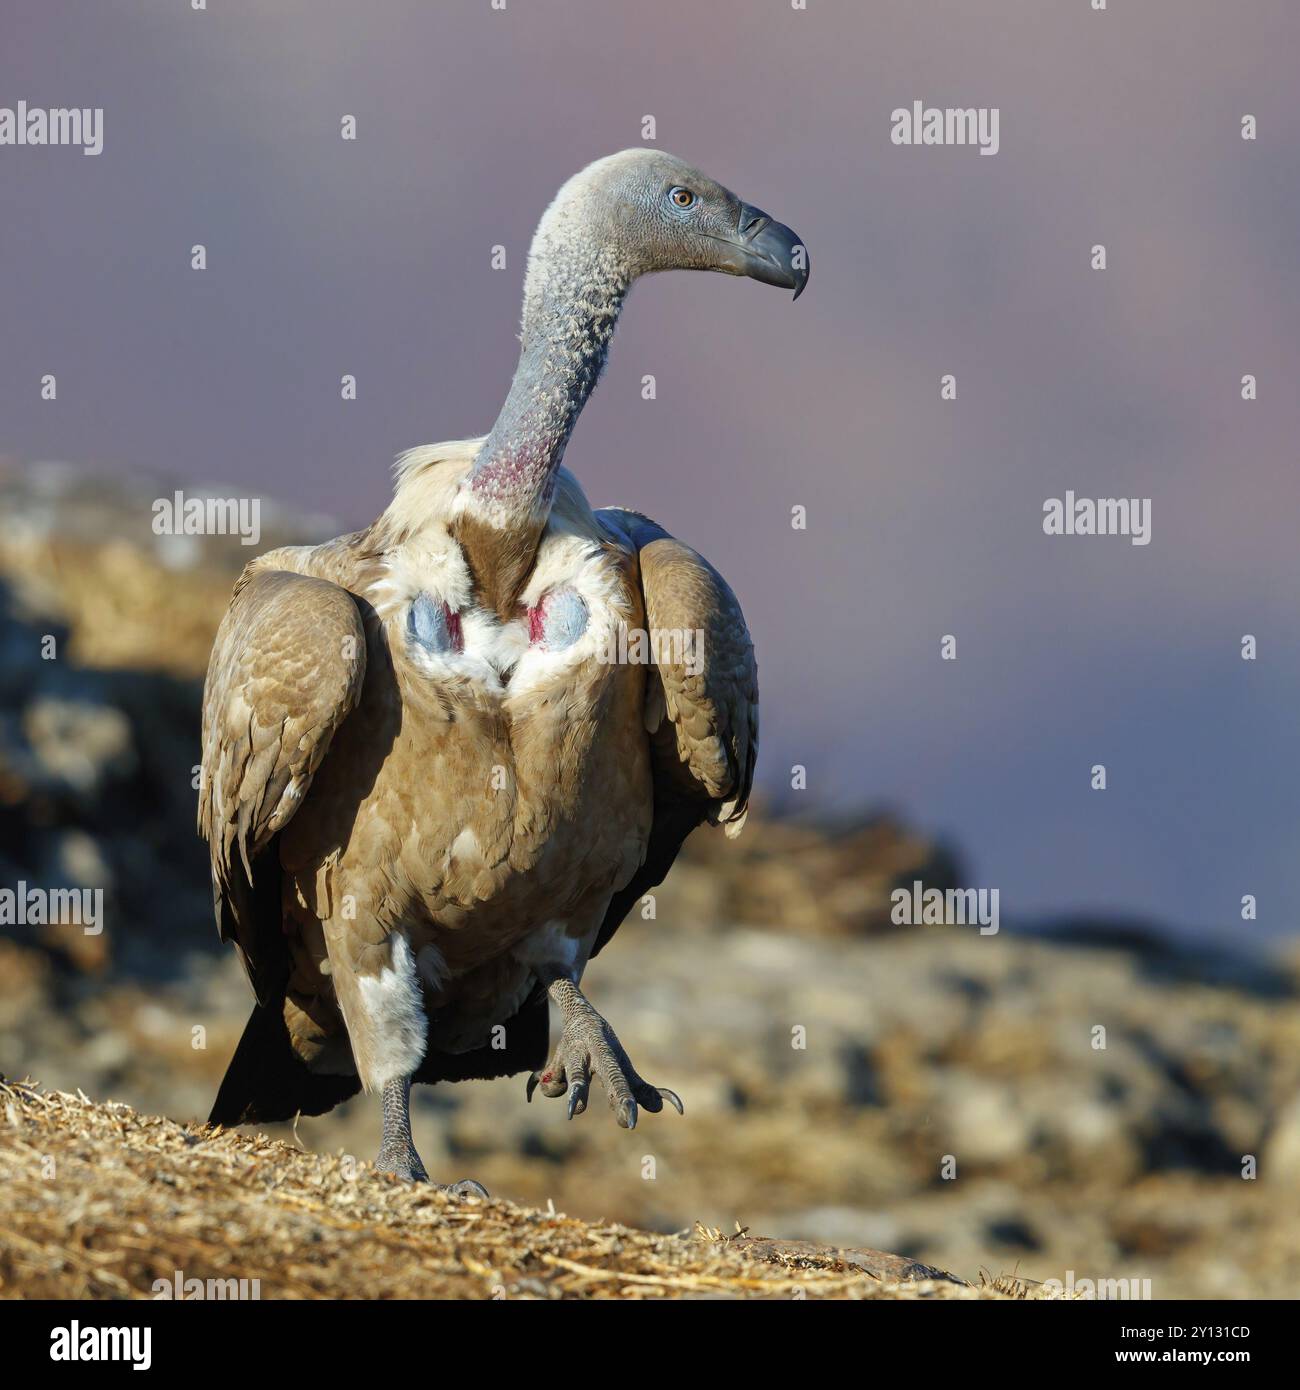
(267, 1081)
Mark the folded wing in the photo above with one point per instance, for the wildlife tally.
(286, 669)
(701, 703)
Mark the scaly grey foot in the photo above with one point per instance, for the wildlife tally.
(401, 1164)
(397, 1154)
(588, 1044)
(413, 1171)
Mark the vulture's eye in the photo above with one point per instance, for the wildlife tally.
(682, 197)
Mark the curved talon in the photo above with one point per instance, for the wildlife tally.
(672, 1098)
(587, 1048)
(467, 1187)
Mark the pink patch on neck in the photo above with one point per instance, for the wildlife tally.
(537, 623)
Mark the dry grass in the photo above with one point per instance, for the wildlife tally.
(99, 1202)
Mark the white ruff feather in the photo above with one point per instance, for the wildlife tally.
(395, 1020)
(496, 657)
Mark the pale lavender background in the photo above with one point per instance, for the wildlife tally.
(924, 518)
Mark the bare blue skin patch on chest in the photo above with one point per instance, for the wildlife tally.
(429, 625)
(563, 620)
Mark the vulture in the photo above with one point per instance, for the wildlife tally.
(438, 767)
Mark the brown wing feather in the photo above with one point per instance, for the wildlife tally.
(286, 668)
(702, 713)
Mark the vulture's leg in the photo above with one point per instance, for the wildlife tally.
(587, 1043)
(384, 1011)
(397, 1153)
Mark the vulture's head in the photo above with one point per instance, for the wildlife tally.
(643, 210)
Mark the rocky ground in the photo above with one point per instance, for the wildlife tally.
(1071, 1097)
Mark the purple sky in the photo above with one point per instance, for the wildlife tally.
(373, 258)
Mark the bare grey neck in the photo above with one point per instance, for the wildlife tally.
(573, 295)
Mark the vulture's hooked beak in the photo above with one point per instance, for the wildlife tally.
(767, 251)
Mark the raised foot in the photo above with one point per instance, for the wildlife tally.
(588, 1044)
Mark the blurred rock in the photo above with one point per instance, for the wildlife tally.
(81, 744)
(1281, 1163)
